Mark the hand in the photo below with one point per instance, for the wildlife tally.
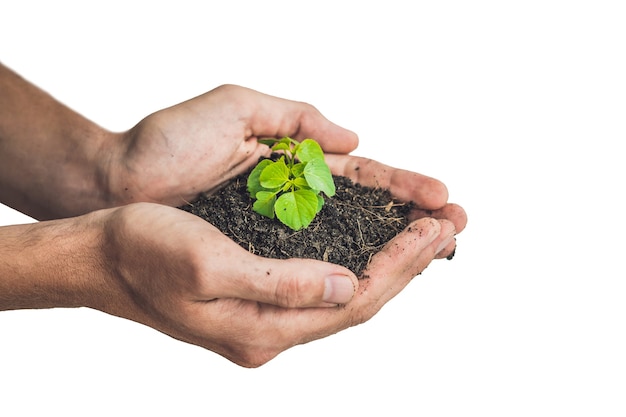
(175, 154)
(197, 146)
(173, 271)
(168, 269)
(200, 287)
(176, 273)
(247, 308)
(429, 195)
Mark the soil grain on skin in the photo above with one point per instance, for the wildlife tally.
(352, 226)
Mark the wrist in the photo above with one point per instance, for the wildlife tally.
(53, 161)
(83, 180)
(51, 264)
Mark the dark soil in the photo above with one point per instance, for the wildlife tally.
(351, 227)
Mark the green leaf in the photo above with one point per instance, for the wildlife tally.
(319, 177)
(274, 175)
(300, 182)
(287, 187)
(320, 203)
(269, 142)
(297, 170)
(264, 205)
(309, 150)
(297, 209)
(284, 144)
(279, 146)
(272, 183)
(254, 184)
(288, 141)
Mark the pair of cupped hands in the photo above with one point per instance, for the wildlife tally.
(178, 274)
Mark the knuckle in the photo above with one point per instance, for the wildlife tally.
(253, 359)
(362, 315)
(253, 353)
(293, 292)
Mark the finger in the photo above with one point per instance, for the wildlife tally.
(276, 329)
(270, 116)
(402, 258)
(389, 272)
(452, 212)
(447, 252)
(286, 283)
(428, 193)
(254, 151)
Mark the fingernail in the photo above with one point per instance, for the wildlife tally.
(339, 289)
(445, 242)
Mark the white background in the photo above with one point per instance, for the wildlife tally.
(519, 107)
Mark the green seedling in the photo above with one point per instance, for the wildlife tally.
(289, 188)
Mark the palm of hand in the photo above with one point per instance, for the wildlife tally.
(174, 154)
(171, 156)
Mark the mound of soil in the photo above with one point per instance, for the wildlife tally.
(352, 226)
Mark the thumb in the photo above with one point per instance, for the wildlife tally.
(277, 117)
(292, 282)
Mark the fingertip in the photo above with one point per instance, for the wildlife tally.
(417, 236)
(301, 283)
(338, 140)
(458, 217)
(444, 242)
(448, 251)
(332, 137)
(339, 288)
(437, 196)
(427, 227)
(352, 140)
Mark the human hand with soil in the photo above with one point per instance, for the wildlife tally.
(198, 286)
(196, 146)
(56, 163)
(429, 195)
(168, 269)
(173, 155)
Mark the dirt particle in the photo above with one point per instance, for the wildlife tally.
(351, 227)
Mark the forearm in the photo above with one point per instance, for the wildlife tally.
(52, 160)
(50, 264)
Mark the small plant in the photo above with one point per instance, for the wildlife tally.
(289, 188)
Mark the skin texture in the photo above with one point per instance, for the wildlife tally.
(112, 241)
(225, 138)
